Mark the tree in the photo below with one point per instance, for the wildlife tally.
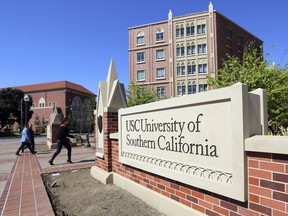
(10, 107)
(140, 94)
(40, 126)
(72, 123)
(255, 72)
(37, 124)
(91, 105)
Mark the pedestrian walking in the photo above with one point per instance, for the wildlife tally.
(32, 140)
(25, 141)
(32, 135)
(62, 140)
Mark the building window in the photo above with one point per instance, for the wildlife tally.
(159, 54)
(191, 69)
(140, 38)
(202, 68)
(240, 41)
(180, 51)
(140, 75)
(201, 48)
(76, 104)
(179, 32)
(161, 91)
(181, 70)
(52, 104)
(160, 73)
(192, 88)
(190, 49)
(140, 57)
(42, 102)
(202, 87)
(190, 30)
(181, 89)
(229, 34)
(85, 105)
(229, 51)
(201, 29)
(160, 35)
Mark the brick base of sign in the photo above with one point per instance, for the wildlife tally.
(267, 184)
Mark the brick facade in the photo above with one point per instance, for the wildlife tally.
(64, 95)
(221, 36)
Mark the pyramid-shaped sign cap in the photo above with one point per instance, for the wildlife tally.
(111, 77)
(111, 93)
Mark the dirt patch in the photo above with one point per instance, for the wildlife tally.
(78, 193)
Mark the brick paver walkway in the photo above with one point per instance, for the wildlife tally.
(22, 191)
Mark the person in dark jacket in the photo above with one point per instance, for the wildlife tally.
(62, 140)
(32, 135)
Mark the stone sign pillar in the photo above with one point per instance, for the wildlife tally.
(52, 129)
(111, 97)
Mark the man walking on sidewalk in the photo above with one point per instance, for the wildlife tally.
(25, 141)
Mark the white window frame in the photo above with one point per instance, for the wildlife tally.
(191, 30)
(160, 73)
(202, 87)
(142, 59)
(161, 38)
(201, 29)
(140, 72)
(202, 68)
(181, 88)
(181, 70)
(202, 48)
(161, 91)
(140, 39)
(42, 102)
(160, 54)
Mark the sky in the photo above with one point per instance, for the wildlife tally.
(54, 40)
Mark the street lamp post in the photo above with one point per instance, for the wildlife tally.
(26, 99)
(21, 111)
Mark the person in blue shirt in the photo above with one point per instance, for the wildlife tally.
(25, 141)
(32, 142)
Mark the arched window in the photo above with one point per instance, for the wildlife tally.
(190, 48)
(85, 105)
(76, 104)
(191, 68)
(41, 102)
(192, 87)
(140, 38)
(179, 31)
(180, 50)
(159, 35)
(181, 88)
(190, 29)
(181, 69)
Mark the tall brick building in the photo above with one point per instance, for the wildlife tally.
(175, 56)
(71, 98)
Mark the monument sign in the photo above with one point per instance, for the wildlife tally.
(196, 139)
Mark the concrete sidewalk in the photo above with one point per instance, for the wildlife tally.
(22, 191)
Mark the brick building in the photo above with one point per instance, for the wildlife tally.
(71, 98)
(175, 56)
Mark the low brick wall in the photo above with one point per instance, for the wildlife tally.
(268, 183)
(267, 179)
(267, 186)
